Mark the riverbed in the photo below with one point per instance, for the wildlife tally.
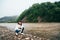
(48, 30)
(34, 26)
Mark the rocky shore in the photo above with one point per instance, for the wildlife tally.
(6, 34)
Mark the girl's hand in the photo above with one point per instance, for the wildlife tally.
(19, 28)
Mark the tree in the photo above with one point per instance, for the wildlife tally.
(47, 12)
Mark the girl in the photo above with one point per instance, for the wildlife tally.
(19, 28)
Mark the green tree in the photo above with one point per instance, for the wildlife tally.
(47, 12)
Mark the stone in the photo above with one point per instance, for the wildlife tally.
(28, 38)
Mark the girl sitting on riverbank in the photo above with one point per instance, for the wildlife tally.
(19, 28)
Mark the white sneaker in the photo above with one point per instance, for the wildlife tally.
(22, 33)
(16, 33)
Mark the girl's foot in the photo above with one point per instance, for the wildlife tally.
(16, 34)
(22, 33)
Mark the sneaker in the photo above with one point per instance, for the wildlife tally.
(16, 33)
(22, 33)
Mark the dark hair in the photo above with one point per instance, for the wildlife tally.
(19, 21)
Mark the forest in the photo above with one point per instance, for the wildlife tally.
(41, 12)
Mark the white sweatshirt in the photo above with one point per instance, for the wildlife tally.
(19, 26)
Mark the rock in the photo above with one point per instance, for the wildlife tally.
(2, 35)
(34, 36)
(9, 35)
(39, 38)
(32, 39)
(48, 39)
(28, 38)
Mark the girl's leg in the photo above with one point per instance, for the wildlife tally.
(22, 30)
(16, 32)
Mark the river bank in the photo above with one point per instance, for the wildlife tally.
(33, 31)
(6, 34)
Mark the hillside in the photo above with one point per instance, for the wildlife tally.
(44, 12)
(8, 19)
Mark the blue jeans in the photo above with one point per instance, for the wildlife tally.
(17, 31)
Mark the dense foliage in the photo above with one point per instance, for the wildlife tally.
(44, 12)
